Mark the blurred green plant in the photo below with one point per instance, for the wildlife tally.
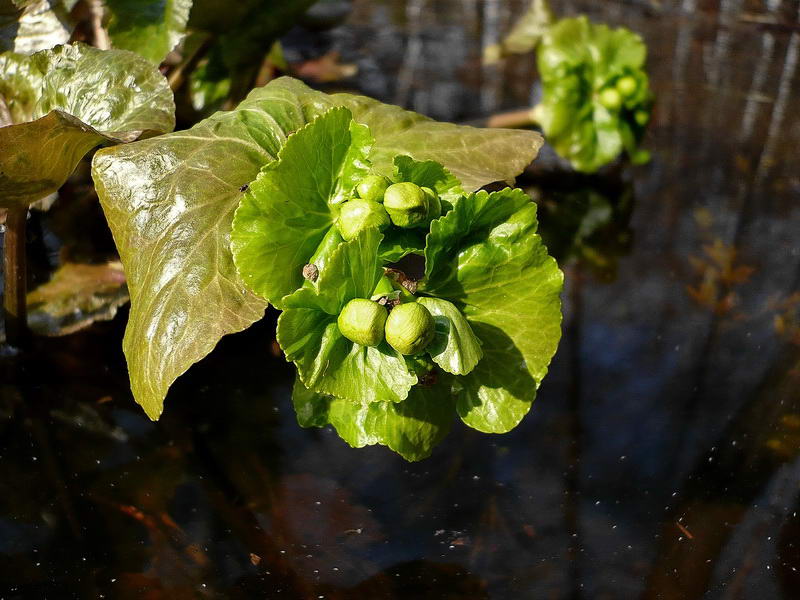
(596, 99)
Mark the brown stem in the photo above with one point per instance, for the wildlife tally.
(99, 34)
(178, 75)
(14, 270)
(523, 117)
(512, 120)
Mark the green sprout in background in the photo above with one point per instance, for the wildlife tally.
(596, 98)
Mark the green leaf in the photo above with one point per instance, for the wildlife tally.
(151, 28)
(411, 428)
(327, 362)
(526, 33)
(287, 211)
(243, 34)
(170, 202)
(429, 174)
(486, 258)
(455, 347)
(65, 101)
(577, 61)
(27, 27)
(398, 242)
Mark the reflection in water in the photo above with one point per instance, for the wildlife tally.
(584, 218)
(660, 458)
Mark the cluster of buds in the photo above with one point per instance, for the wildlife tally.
(380, 203)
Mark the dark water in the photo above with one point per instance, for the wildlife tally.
(661, 458)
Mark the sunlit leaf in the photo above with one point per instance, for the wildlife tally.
(30, 26)
(65, 101)
(455, 348)
(289, 208)
(411, 428)
(151, 28)
(486, 258)
(327, 362)
(170, 203)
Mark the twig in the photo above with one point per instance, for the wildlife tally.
(178, 75)
(99, 34)
(523, 117)
(513, 119)
(15, 272)
(5, 113)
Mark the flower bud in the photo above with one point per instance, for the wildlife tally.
(611, 99)
(409, 328)
(359, 214)
(362, 321)
(626, 86)
(434, 205)
(406, 204)
(372, 187)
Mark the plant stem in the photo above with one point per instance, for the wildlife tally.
(513, 119)
(524, 117)
(99, 34)
(15, 273)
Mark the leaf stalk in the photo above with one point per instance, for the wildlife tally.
(15, 309)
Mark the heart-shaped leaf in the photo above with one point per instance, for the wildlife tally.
(170, 202)
(486, 258)
(63, 102)
(289, 208)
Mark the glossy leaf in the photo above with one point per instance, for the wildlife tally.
(65, 101)
(27, 27)
(455, 347)
(327, 362)
(288, 209)
(411, 428)
(151, 28)
(170, 203)
(486, 258)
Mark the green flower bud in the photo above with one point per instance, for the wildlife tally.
(611, 99)
(641, 117)
(626, 86)
(358, 214)
(409, 328)
(372, 187)
(434, 205)
(406, 204)
(362, 321)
